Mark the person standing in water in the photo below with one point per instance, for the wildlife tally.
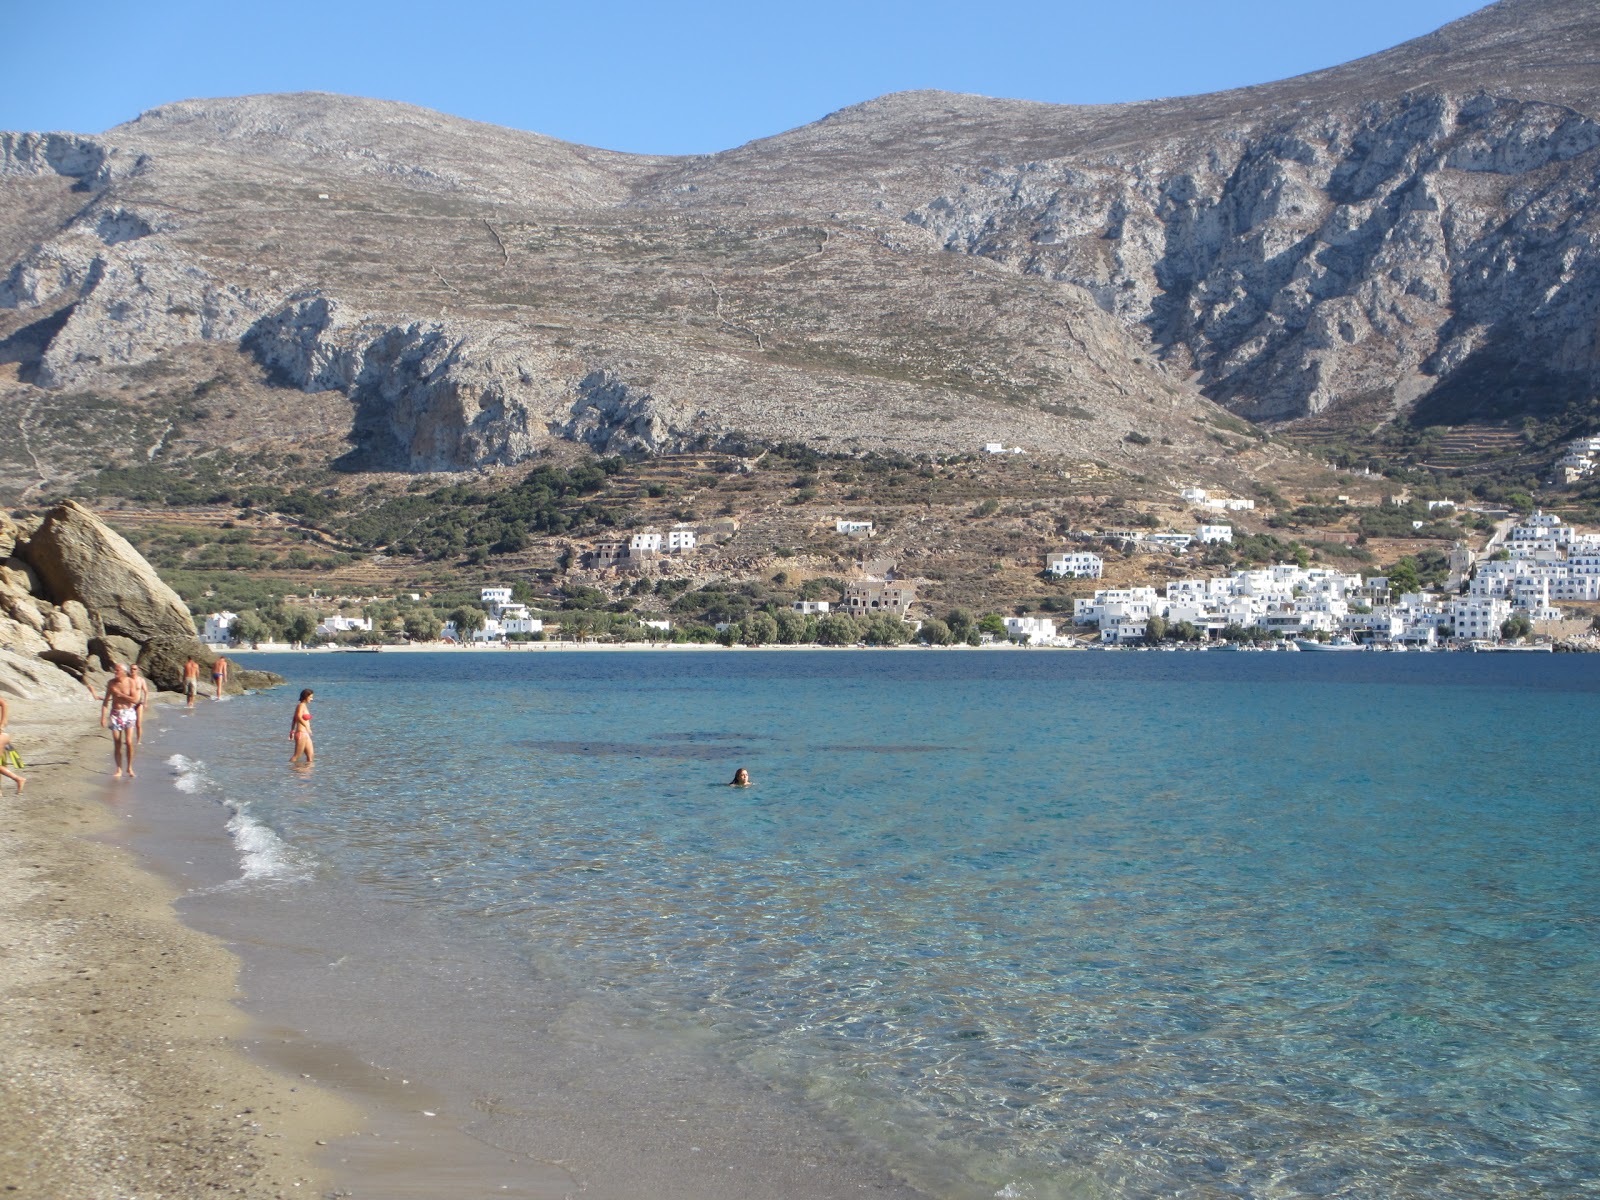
(5, 748)
(122, 701)
(191, 680)
(741, 778)
(300, 730)
(219, 675)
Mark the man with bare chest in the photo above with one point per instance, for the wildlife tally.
(119, 712)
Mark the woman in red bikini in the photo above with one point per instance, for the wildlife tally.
(300, 729)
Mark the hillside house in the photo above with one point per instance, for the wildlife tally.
(868, 597)
(1075, 564)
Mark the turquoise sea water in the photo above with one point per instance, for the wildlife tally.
(1028, 924)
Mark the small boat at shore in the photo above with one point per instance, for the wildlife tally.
(1336, 644)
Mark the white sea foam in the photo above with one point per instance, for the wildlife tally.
(189, 774)
(263, 855)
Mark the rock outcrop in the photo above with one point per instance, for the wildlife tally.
(1435, 243)
(76, 598)
(80, 559)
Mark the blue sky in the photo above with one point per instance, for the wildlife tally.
(667, 78)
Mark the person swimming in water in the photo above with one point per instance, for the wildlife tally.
(741, 778)
(300, 730)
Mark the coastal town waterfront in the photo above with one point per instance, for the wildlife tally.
(1023, 924)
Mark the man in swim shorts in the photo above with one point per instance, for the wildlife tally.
(219, 675)
(191, 680)
(119, 712)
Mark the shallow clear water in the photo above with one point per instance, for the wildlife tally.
(1032, 924)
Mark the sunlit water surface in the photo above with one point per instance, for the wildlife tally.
(1124, 925)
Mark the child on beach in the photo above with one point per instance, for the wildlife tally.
(6, 751)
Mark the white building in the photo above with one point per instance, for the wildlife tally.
(1227, 504)
(1173, 542)
(1079, 565)
(853, 528)
(1542, 531)
(1479, 617)
(680, 540)
(1193, 495)
(1031, 631)
(663, 625)
(645, 544)
(1207, 534)
(218, 629)
(494, 598)
(809, 607)
(1110, 603)
(330, 626)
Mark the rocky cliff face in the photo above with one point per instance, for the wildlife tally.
(1428, 243)
(924, 272)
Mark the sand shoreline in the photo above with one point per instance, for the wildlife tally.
(122, 1071)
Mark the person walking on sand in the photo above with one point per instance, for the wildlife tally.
(142, 686)
(122, 706)
(191, 680)
(219, 675)
(300, 730)
(5, 749)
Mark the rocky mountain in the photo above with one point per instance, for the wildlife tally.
(1411, 233)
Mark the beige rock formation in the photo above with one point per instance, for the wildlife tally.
(79, 557)
(76, 598)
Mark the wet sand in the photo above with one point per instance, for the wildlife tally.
(121, 1068)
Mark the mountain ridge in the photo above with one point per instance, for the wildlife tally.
(922, 272)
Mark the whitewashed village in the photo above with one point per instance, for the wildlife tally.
(1493, 599)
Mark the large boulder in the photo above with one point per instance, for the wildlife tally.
(78, 557)
(162, 663)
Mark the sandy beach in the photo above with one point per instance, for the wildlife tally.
(119, 1070)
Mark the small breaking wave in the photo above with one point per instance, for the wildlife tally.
(263, 855)
(189, 774)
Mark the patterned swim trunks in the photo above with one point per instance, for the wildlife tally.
(123, 719)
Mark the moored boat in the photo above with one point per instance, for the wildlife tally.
(1338, 643)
